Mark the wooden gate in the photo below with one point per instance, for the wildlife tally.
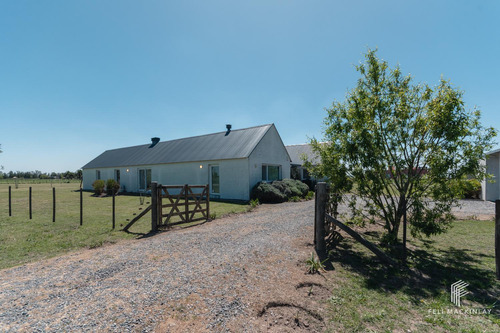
(325, 226)
(176, 204)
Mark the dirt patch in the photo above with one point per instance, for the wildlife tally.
(283, 317)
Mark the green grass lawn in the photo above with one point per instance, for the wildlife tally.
(23, 240)
(369, 297)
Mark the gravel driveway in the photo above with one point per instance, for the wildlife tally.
(213, 277)
(207, 273)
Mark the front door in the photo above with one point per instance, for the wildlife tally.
(214, 179)
(144, 179)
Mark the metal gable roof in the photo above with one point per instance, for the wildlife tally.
(238, 143)
(296, 152)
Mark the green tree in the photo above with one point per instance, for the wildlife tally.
(403, 151)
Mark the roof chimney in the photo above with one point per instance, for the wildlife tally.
(154, 141)
(228, 127)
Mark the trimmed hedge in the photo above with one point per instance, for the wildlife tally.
(267, 193)
(279, 190)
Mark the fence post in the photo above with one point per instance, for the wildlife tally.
(10, 200)
(186, 203)
(53, 204)
(81, 206)
(154, 206)
(30, 203)
(113, 190)
(319, 223)
(207, 188)
(497, 237)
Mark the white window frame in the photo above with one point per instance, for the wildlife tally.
(117, 175)
(145, 178)
(98, 174)
(210, 178)
(266, 178)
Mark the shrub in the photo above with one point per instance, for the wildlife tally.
(98, 186)
(112, 186)
(297, 187)
(315, 265)
(284, 188)
(265, 192)
(280, 191)
(254, 203)
(472, 189)
(310, 195)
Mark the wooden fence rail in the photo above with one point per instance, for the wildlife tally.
(321, 217)
(189, 203)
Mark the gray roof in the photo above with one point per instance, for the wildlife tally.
(296, 152)
(238, 143)
(493, 152)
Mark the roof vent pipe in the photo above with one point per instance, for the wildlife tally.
(154, 141)
(228, 127)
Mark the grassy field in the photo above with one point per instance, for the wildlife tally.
(23, 240)
(369, 297)
(20, 181)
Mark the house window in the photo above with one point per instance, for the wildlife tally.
(215, 179)
(98, 174)
(144, 179)
(271, 172)
(305, 174)
(117, 175)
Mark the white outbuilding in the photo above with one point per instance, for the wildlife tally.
(491, 190)
(231, 162)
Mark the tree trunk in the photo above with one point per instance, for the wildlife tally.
(404, 229)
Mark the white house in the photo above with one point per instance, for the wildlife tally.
(297, 154)
(491, 191)
(231, 162)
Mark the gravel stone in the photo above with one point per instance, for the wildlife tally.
(132, 285)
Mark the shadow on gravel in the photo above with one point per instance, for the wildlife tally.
(429, 272)
(142, 235)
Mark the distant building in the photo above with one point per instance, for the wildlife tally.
(231, 162)
(297, 154)
(491, 191)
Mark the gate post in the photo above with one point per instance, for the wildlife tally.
(497, 237)
(207, 188)
(154, 206)
(186, 202)
(319, 218)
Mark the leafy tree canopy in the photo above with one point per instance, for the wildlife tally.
(401, 149)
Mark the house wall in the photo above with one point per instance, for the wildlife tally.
(492, 190)
(233, 179)
(270, 150)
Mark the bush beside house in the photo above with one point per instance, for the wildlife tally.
(110, 186)
(279, 191)
(98, 186)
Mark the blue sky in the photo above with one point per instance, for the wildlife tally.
(81, 77)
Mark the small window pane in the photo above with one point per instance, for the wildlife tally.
(305, 174)
(148, 178)
(215, 179)
(264, 172)
(273, 172)
(142, 179)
